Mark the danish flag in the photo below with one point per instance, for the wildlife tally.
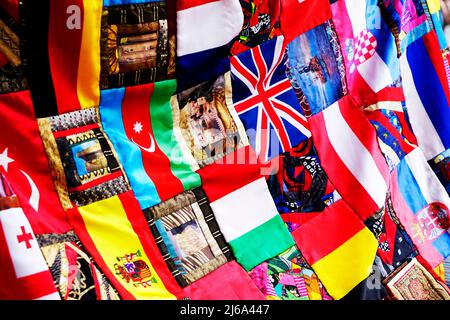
(265, 100)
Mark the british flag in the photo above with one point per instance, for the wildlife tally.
(265, 100)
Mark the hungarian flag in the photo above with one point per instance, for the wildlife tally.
(244, 208)
(115, 233)
(205, 27)
(339, 248)
(62, 54)
(354, 163)
(422, 206)
(138, 121)
(25, 274)
(427, 94)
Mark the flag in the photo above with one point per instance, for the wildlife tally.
(313, 13)
(205, 27)
(265, 100)
(244, 209)
(138, 121)
(427, 94)
(422, 206)
(354, 164)
(229, 282)
(25, 274)
(368, 46)
(339, 248)
(31, 180)
(115, 233)
(62, 78)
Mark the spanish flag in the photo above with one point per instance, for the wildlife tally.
(339, 248)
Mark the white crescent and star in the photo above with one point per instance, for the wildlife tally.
(35, 195)
(137, 128)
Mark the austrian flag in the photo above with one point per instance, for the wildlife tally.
(265, 100)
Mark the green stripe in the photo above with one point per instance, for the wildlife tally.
(262, 243)
(162, 124)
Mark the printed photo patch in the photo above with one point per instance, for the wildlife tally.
(135, 45)
(84, 166)
(188, 236)
(207, 120)
(316, 68)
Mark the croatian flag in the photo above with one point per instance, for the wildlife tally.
(205, 27)
(368, 44)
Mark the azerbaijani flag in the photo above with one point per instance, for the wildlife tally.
(244, 208)
(138, 121)
(339, 248)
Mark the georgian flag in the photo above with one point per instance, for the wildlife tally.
(32, 279)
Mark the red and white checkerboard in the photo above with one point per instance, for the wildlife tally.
(365, 46)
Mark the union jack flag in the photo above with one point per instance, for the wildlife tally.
(265, 100)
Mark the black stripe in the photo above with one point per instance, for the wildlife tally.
(34, 22)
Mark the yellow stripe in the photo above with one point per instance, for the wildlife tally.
(439, 270)
(88, 81)
(434, 6)
(344, 268)
(109, 228)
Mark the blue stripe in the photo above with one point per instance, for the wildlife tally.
(109, 3)
(442, 244)
(129, 154)
(196, 68)
(430, 89)
(409, 188)
(439, 30)
(414, 35)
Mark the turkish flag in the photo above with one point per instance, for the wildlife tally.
(24, 164)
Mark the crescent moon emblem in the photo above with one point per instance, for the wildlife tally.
(152, 146)
(35, 195)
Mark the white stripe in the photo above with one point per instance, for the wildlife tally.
(356, 10)
(375, 72)
(245, 209)
(258, 136)
(26, 261)
(208, 26)
(51, 296)
(430, 186)
(354, 155)
(278, 53)
(427, 137)
(241, 77)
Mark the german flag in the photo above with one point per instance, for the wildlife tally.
(339, 248)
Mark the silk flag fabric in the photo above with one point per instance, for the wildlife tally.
(345, 258)
(204, 30)
(248, 201)
(156, 161)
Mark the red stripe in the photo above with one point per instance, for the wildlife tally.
(230, 173)
(365, 132)
(434, 52)
(327, 232)
(290, 112)
(188, 4)
(380, 118)
(406, 129)
(264, 135)
(136, 108)
(261, 66)
(69, 132)
(80, 229)
(64, 53)
(140, 227)
(346, 184)
(299, 218)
